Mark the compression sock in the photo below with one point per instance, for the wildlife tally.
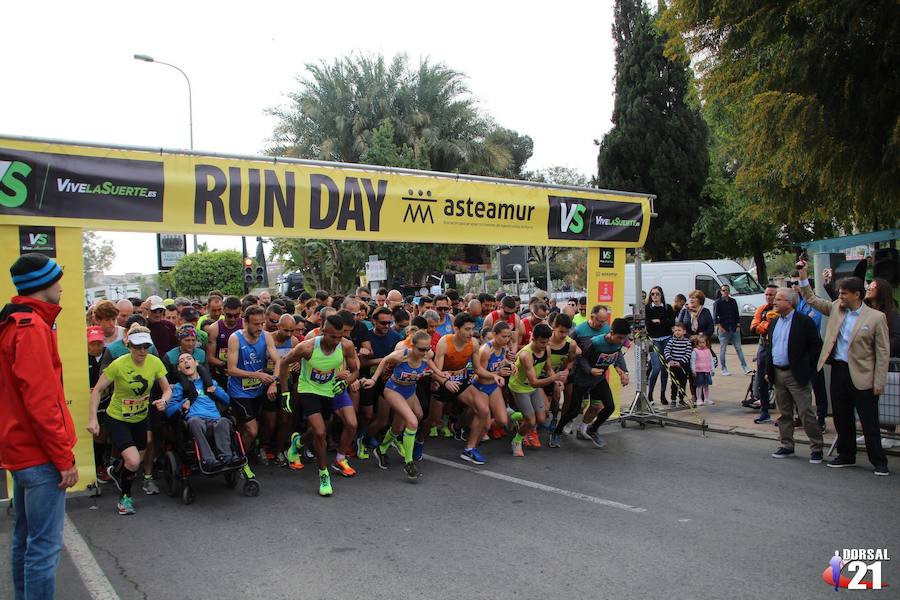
(389, 438)
(127, 479)
(518, 438)
(409, 439)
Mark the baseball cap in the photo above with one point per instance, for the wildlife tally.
(155, 302)
(95, 334)
(168, 302)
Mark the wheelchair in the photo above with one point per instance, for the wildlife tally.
(180, 461)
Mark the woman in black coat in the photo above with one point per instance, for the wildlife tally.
(659, 318)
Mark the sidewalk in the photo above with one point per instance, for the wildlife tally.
(727, 415)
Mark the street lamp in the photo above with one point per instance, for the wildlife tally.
(518, 269)
(150, 59)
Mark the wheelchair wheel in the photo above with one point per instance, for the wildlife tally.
(251, 488)
(187, 495)
(171, 474)
(231, 479)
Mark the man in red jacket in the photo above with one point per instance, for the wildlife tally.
(36, 430)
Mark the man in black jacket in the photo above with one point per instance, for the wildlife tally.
(727, 318)
(794, 349)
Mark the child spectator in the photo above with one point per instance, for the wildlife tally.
(678, 357)
(702, 365)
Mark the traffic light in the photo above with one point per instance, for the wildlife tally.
(248, 271)
(260, 276)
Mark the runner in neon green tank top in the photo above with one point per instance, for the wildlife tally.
(328, 364)
(526, 384)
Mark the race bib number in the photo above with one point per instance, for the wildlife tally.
(459, 376)
(134, 407)
(251, 383)
(317, 376)
(408, 378)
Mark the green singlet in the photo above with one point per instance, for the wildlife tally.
(519, 382)
(317, 373)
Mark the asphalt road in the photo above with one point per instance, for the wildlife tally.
(659, 513)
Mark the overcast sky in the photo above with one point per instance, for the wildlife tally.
(543, 69)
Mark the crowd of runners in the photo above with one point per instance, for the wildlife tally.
(328, 380)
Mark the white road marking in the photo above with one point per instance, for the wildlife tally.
(535, 485)
(92, 575)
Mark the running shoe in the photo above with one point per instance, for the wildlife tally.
(293, 452)
(125, 506)
(497, 432)
(325, 484)
(433, 432)
(461, 433)
(381, 457)
(761, 420)
(362, 451)
(582, 434)
(308, 453)
(270, 456)
(280, 460)
(535, 439)
(446, 432)
(111, 471)
(397, 445)
(343, 467)
(598, 441)
(412, 471)
(526, 440)
(262, 457)
(517, 449)
(418, 449)
(554, 440)
(473, 456)
(103, 476)
(149, 486)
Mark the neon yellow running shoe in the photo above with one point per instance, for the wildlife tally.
(446, 432)
(325, 483)
(362, 450)
(433, 432)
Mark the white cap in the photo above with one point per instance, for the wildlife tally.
(155, 302)
(139, 337)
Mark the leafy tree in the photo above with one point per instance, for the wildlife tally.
(99, 254)
(812, 89)
(374, 111)
(196, 274)
(658, 140)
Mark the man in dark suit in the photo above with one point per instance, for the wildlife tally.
(794, 347)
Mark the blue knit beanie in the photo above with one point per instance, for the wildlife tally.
(34, 272)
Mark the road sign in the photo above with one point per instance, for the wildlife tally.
(376, 270)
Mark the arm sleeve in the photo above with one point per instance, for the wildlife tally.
(40, 396)
(175, 401)
(823, 306)
(220, 395)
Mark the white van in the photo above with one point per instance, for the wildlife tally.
(682, 277)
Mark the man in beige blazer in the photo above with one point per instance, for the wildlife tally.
(857, 348)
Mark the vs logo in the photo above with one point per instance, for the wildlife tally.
(37, 239)
(571, 217)
(13, 190)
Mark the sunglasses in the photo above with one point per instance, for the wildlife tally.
(143, 347)
(385, 322)
(424, 350)
(232, 315)
(442, 308)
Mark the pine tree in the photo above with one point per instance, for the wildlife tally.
(658, 140)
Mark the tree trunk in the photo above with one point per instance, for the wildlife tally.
(759, 258)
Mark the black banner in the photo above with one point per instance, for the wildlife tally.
(596, 220)
(80, 187)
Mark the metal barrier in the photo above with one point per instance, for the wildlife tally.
(888, 407)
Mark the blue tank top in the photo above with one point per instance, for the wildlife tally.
(251, 357)
(404, 374)
(493, 363)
